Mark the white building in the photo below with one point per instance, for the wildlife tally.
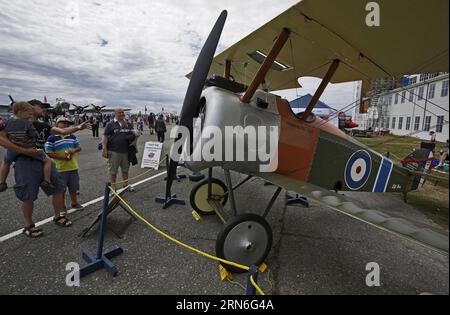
(415, 109)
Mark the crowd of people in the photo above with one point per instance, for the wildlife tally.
(44, 152)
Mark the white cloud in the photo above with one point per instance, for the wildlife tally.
(129, 53)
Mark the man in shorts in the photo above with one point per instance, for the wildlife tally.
(29, 172)
(20, 131)
(118, 136)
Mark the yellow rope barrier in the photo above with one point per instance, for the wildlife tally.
(243, 267)
(261, 292)
(177, 241)
(140, 175)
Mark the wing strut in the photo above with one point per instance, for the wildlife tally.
(259, 77)
(227, 71)
(326, 79)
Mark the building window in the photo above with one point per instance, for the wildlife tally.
(416, 123)
(403, 96)
(440, 123)
(393, 122)
(396, 98)
(421, 91)
(444, 91)
(434, 75)
(408, 123)
(400, 123)
(390, 99)
(426, 127)
(411, 95)
(431, 91)
(387, 123)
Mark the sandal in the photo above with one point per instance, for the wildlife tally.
(32, 231)
(62, 221)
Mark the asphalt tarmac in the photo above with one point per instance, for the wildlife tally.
(315, 250)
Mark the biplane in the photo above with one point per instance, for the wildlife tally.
(324, 39)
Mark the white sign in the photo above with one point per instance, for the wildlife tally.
(152, 154)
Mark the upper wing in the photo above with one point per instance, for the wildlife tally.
(423, 234)
(412, 38)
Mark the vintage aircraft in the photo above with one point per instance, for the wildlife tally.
(97, 109)
(102, 109)
(62, 108)
(326, 39)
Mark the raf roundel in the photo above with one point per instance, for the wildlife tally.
(357, 170)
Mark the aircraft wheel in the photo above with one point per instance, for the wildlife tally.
(245, 239)
(199, 195)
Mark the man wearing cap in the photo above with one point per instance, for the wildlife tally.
(118, 136)
(63, 150)
(28, 171)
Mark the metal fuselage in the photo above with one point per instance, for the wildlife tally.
(312, 151)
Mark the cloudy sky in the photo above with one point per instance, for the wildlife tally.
(129, 53)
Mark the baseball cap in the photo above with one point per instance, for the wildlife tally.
(64, 119)
(38, 103)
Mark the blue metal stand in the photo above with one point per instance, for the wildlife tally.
(177, 177)
(167, 202)
(291, 200)
(103, 260)
(251, 290)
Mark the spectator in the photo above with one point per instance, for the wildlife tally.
(151, 123)
(432, 137)
(444, 156)
(21, 132)
(140, 124)
(160, 128)
(28, 172)
(117, 138)
(95, 125)
(63, 150)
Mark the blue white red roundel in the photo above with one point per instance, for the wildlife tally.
(357, 170)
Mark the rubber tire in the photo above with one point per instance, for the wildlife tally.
(201, 184)
(220, 242)
(193, 177)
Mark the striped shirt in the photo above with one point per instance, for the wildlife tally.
(61, 145)
(21, 132)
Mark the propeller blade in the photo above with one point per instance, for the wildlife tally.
(12, 100)
(195, 88)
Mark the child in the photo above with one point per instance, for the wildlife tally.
(63, 150)
(21, 132)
